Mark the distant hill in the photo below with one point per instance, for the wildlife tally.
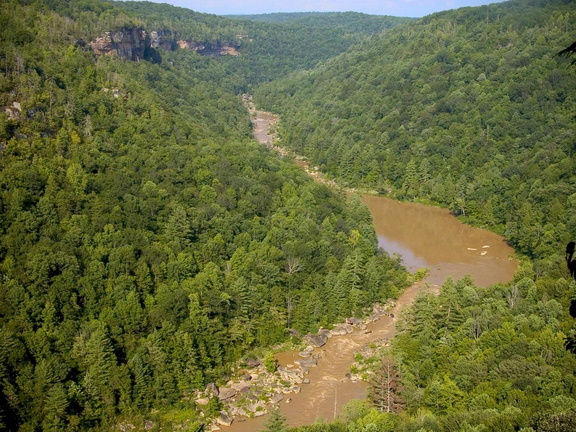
(351, 21)
(282, 17)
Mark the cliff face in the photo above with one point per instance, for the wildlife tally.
(136, 44)
(162, 39)
(128, 44)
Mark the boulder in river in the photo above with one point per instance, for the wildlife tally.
(354, 321)
(276, 398)
(338, 330)
(256, 409)
(348, 327)
(224, 419)
(317, 340)
(239, 386)
(306, 363)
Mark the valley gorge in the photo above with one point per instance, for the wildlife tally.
(319, 389)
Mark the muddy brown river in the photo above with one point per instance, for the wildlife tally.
(431, 237)
(423, 236)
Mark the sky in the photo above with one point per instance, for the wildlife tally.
(405, 8)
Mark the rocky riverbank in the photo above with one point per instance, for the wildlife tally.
(256, 386)
(265, 131)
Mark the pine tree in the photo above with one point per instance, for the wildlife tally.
(276, 422)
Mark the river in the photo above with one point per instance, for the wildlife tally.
(424, 236)
(431, 237)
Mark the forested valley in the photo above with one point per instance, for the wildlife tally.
(148, 243)
(472, 110)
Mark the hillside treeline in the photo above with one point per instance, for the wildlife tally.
(469, 109)
(147, 242)
(474, 359)
(268, 50)
(472, 110)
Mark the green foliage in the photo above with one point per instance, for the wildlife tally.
(489, 358)
(270, 362)
(147, 243)
(270, 46)
(355, 23)
(276, 422)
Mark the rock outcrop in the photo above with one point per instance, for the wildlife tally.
(224, 419)
(13, 112)
(227, 393)
(317, 340)
(136, 44)
(163, 40)
(212, 389)
(131, 44)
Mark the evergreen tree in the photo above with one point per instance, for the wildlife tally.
(276, 422)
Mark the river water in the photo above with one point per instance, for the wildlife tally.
(423, 236)
(431, 237)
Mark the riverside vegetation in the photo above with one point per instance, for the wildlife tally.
(473, 110)
(147, 243)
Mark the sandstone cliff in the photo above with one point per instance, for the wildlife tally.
(136, 44)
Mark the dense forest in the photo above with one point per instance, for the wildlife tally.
(268, 50)
(475, 359)
(147, 242)
(354, 23)
(470, 109)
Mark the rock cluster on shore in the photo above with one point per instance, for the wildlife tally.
(255, 387)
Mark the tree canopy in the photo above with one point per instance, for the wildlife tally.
(147, 242)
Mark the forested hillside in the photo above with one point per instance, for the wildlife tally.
(470, 109)
(355, 23)
(474, 359)
(473, 110)
(146, 240)
(268, 50)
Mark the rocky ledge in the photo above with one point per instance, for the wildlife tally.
(136, 44)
